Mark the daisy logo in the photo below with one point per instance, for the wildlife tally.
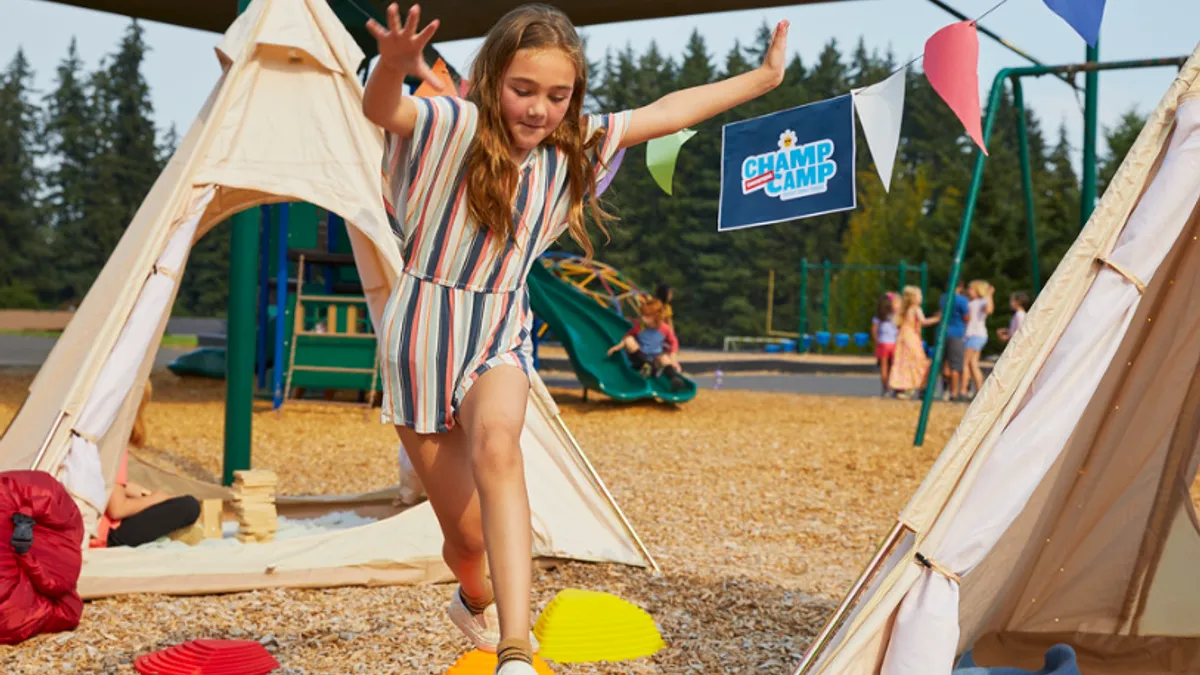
(792, 171)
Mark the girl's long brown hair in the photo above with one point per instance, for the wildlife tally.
(491, 174)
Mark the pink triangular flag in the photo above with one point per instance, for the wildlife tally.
(952, 67)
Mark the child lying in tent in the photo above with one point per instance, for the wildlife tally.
(136, 515)
(651, 344)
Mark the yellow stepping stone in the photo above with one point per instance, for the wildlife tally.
(583, 626)
(476, 662)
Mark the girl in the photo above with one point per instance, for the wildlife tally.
(477, 189)
(135, 515)
(911, 366)
(979, 308)
(1019, 302)
(883, 333)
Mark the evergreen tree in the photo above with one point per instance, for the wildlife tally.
(70, 137)
(1119, 139)
(1058, 219)
(124, 164)
(22, 237)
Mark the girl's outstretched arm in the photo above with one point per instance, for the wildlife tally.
(400, 55)
(686, 107)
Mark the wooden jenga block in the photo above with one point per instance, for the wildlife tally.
(210, 518)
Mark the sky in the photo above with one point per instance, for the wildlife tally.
(182, 67)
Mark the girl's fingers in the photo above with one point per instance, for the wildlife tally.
(414, 20)
(393, 15)
(427, 33)
(377, 31)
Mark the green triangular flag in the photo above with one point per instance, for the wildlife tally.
(661, 154)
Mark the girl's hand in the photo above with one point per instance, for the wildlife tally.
(775, 60)
(401, 48)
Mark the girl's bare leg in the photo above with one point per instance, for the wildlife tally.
(492, 416)
(976, 372)
(630, 343)
(443, 463)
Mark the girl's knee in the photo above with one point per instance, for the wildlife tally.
(630, 343)
(463, 546)
(498, 453)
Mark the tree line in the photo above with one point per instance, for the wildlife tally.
(76, 162)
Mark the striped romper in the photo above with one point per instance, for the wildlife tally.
(461, 306)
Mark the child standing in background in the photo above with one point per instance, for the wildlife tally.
(911, 367)
(1019, 302)
(979, 308)
(884, 331)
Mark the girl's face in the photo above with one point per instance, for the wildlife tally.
(535, 94)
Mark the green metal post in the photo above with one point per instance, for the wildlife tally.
(1090, 108)
(804, 297)
(1027, 183)
(964, 234)
(827, 280)
(239, 341)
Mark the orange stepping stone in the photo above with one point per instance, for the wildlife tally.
(476, 662)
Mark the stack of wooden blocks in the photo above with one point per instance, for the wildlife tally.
(254, 504)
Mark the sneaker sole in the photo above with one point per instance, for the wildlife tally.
(464, 621)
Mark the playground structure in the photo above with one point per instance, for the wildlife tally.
(847, 300)
(600, 281)
(586, 329)
(325, 340)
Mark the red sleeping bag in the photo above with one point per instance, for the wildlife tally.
(41, 535)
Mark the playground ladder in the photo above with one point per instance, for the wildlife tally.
(299, 330)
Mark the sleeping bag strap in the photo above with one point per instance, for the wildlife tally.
(1141, 287)
(930, 563)
(22, 536)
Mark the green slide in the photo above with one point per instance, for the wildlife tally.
(587, 330)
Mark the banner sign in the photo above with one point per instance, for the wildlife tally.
(788, 165)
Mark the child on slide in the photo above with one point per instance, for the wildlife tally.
(476, 189)
(651, 344)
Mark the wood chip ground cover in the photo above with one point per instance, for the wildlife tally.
(760, 508)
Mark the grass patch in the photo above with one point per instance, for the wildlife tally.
(169, 341)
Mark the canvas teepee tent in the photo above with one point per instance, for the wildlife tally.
(283, 123)
(1060, 511)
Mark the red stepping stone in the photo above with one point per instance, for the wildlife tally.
(209, 657)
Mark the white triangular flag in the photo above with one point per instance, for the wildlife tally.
(880, 111)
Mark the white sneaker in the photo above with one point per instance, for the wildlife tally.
(481, 629)
(516, 668)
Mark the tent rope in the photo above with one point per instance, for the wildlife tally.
(86, 436)
(1141, 287)
(166, 272)
(930, 563)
